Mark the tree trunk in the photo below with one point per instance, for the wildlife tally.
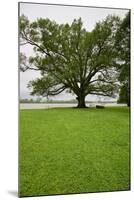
(128, 103)
(81, 102)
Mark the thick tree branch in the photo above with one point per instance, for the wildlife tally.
(102, 80)
(29, 41)
(56, 91)
(100, 94)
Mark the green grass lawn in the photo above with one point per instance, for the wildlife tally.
(68, 150)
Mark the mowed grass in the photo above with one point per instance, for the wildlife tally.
(68, 150)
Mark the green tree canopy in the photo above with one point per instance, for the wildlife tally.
(123, 50)
(71, 58)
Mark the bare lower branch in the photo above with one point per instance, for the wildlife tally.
(100, 94)
(102, 80)
(56, 92)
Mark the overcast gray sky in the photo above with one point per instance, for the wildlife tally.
(61, 14)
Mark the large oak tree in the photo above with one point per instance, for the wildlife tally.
(71, 58)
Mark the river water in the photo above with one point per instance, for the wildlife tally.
(60, 105)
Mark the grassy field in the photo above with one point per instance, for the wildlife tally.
(68, 150)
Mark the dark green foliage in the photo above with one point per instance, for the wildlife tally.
(124, 96)
(123, 40)
(123, 51)
(71, 58)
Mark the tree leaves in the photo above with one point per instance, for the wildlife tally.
(122, 44)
